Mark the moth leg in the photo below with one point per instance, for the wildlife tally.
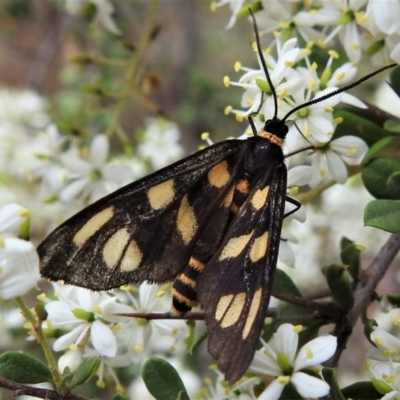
(292, 201)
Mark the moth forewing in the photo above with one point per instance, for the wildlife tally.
(144, 231)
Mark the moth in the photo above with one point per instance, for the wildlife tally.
(211, 223)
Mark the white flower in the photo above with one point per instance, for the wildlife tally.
(104, 10)
(388, 346)
(160, 142)
(383, 16)
(385, 378)
(83, 311)
(234, 5)
(333, 158)
(143, 330)
(19, 262)
(278, 358)
(93, 178)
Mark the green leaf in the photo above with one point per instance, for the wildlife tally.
(357, 125)
(383, 148)
(350, 255)
(284, 284)
(23, 368)
(395, 80)
(340, 285)
(383, 214)
(161, 379)
(330, 377)
(85, 371)
(392, 125)
(393, 185)
(376, 174)
(361, 391)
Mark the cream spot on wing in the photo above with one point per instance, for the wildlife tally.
(222, 306)
(92, 226)
(259, 198)
(234, 311)
(235, 246)
(255, 305)
(115, 246)
(196, 264)
(218, 176)
(161, 195)
(259, 247)
(186, 221)
(132, 257)
(228, 198)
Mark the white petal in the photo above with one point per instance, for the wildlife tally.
(11, 217)
(70, 337)
(299, 176)
(315, 352)
(285, 340)
(264, 365)
(103, 339)
(385, 340)
(98, 151)
(286, 254)
(74, 189)
(308, 386)
(272, 392)
(336, 167)
(19, 271)
(71, 359)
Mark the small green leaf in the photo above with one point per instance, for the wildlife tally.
(361, 391)
(23, 368)
(376, 174)
(369, 326)
(196, 342)
(383, 214)
(161, 379)
(392, 125)
(120, 396)
(85, 371)
(330, 377)
(340, 285)
(393, 185)
(284, 284)
(350, 255)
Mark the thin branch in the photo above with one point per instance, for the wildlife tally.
(18, 390)
(364, 293)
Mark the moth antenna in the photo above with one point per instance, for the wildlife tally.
(264, 64)
(334, 93)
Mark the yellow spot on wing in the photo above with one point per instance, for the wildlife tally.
(161, 195)
(254, 307)
(132, 258)
(235, 246)
(223, 305)
(228, 198)
(186, 221)
(218, 176)
(243, 186)
(115, 246)
(234, 311)
(92, 226)
(186, 280)
(259, 247)
(259, 198)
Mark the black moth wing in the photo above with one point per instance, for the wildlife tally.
(234, 288)
(146, 230)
